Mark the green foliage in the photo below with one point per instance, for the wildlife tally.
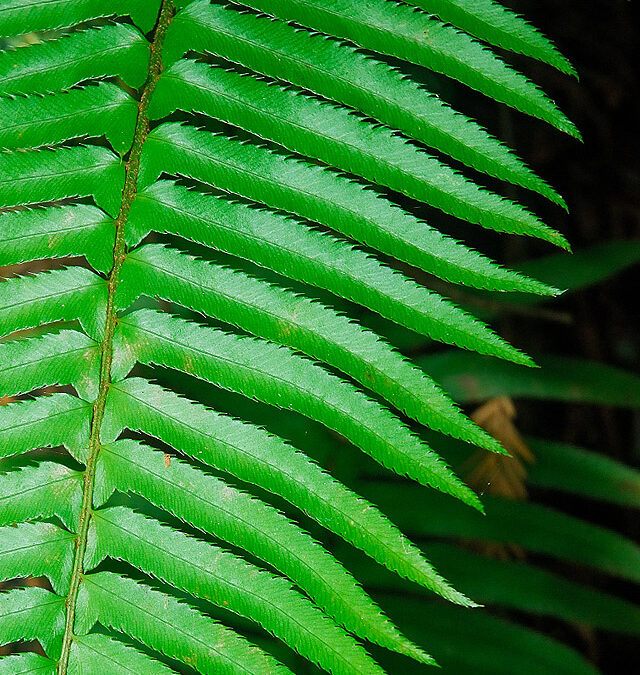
(175, 536)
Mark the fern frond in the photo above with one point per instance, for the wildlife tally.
(48, 489)
(103, 110)
(171, 627)
(341, 73)
(234, 516)
(274, 375)
(286, 318)
(446, 322)
(32, 614)
(73, 230)
(309, 191)
(52, 66)
(223, 579)
(54, 420)
(58, 295)
(289, 248)
(50, 175)
(334, 135)
(499, 26)
(37, 549)
(397, 30)
(98, 123)
(257, 457)
(67, 357)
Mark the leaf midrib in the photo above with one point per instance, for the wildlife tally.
(119, 253)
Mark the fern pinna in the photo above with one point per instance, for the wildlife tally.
(278, 133)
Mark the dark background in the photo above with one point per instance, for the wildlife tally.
(600, 180)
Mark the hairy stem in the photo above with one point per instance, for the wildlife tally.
(119, 255)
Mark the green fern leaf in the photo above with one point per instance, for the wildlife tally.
(51, 175)
(335, 136)
(98, 121)
(33, 121)
(272, 374)
(51, 66)
(233, 516)
(286, 246)
(50, 14)
(493, 23)
(67, 357)
(60, 295)
(259, 458)
(305, 189)
(399, 31)
(41, 491)
(338, 72)
(209, 573)
(37, 549)
(285, 318)
(189, 636)
(27, 662)
(57, 233)
(60, 419)
(32, 613)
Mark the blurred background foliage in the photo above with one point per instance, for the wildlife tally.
(556, 559)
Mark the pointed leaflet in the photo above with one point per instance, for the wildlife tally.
(334, 135)
(17, 16)
(308, 190)
(32, 614)
(67, 357)
(98, 654)
(400, 31)
(59, 64)
(46, 421)
(255, 456)
(50, 175)
(92, 111)
(236, 517)
(37, 549)
(27, 662)
(339, 72)
(57, 232)
(287, 318)
(493, 23)
(290, 248)
(274, 375)
(58, 295)
(41, 491)
(208, 572)
(170, 627)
